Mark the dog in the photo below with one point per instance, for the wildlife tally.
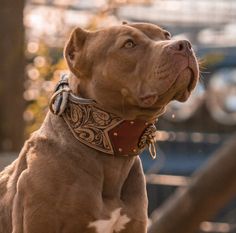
(80, 172)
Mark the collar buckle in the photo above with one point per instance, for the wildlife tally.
(59, 99)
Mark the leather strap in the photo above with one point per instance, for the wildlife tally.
(99, 129)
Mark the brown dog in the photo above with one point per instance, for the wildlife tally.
(79, 172)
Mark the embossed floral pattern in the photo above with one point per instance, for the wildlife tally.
(90, 125)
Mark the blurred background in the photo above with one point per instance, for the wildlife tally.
(32, 36)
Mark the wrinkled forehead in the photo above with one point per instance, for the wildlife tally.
(152, 31)
(136, 29)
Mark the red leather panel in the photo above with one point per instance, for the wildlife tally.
(125, 137)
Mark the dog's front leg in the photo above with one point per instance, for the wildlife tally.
(18, 206)
(30, 213)
(134, 197)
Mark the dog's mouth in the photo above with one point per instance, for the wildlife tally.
(192, 81)
(179, 90)
(184, 84)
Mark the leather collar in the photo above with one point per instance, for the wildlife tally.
(98, 129)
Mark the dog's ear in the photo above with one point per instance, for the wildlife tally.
(73, 49)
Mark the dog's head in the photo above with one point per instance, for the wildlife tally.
(133, 70)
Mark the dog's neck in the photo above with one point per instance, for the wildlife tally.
(98, 129)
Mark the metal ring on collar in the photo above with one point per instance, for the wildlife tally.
(63, 95)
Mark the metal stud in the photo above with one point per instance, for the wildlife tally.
(134, 150)
(120, 149)
(115, 134)
(131, 122)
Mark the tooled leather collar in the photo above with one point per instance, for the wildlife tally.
(98, 129)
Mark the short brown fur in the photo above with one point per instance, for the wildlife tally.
(58, 185)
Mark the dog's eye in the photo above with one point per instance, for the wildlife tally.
(167, 35)
(129, 44)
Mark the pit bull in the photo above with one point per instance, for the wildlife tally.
(80, 172)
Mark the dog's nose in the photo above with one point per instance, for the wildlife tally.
(181, 46)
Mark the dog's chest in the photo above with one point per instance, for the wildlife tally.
(116, 223)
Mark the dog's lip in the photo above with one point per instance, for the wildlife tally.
(193, 79)
(184, 94)
(151, 99)
(154, 99)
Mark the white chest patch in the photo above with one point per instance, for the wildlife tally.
(116, 223)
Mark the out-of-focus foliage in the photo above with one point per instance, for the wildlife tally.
(45, 64)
